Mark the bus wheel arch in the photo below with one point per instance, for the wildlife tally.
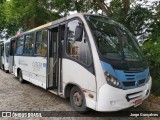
(68, 90)
(77, 98)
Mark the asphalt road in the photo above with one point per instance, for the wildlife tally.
(15, 96)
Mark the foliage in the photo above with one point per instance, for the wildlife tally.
(26, 14)
(2, 18)
(155, 24)
(22, 14)
(155, 86)
(151, 50)
(138, 19)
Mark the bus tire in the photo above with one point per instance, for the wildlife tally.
(20, 76)
(77, 100)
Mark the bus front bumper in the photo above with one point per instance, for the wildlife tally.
(114, 99)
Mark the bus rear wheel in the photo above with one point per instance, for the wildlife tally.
(77, 100)
(20, 76)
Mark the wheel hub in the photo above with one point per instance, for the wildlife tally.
(77, 99)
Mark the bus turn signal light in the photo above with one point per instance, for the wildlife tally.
(91, 96)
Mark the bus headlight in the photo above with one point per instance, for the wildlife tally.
(112, 80)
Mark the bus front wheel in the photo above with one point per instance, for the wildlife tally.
(77, 100)
(20, 76)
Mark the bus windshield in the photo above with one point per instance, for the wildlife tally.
(113, 40)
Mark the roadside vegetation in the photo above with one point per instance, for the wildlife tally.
(151, 50)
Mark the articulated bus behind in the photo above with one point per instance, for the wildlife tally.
(90, 59)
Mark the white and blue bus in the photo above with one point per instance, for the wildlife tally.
(90, 59)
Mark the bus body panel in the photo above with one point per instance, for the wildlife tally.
(114, 101)
(96, 61)
(33, 69)
(76, 74)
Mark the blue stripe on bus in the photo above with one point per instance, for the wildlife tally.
(127, 76)
(108, 68)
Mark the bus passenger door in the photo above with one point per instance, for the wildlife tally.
(56, 39)
(11, 56)
(53, 60)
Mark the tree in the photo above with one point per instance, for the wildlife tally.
(138, 19)
(151, 47)
(2, 19)
(155, 22)
(22, 14)
(27, 14)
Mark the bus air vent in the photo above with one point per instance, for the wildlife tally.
(130, 76)
(129, 84)
(135, 95)
(141, 81)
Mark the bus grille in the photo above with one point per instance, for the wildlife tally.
(130, 76)
(135, 95)
(133, 83)
(133, 80)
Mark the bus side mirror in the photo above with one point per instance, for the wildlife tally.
(78, 33)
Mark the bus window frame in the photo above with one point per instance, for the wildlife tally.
(89, 45)
(35, 39)
(25, 42)
(7, 49)
(12, 51)
(16, 39)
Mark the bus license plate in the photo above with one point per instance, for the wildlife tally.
(137, 102)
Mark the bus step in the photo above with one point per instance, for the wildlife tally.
(56, 92)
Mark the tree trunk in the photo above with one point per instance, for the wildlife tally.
(104, 7)
(126, 5)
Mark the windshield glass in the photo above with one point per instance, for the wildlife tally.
(113, 40)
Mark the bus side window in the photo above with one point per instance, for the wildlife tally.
(28, 47)
(13, 47)
(77, 42)
(19, 45)
(41, 43)
(44, 42)
(7, 49)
